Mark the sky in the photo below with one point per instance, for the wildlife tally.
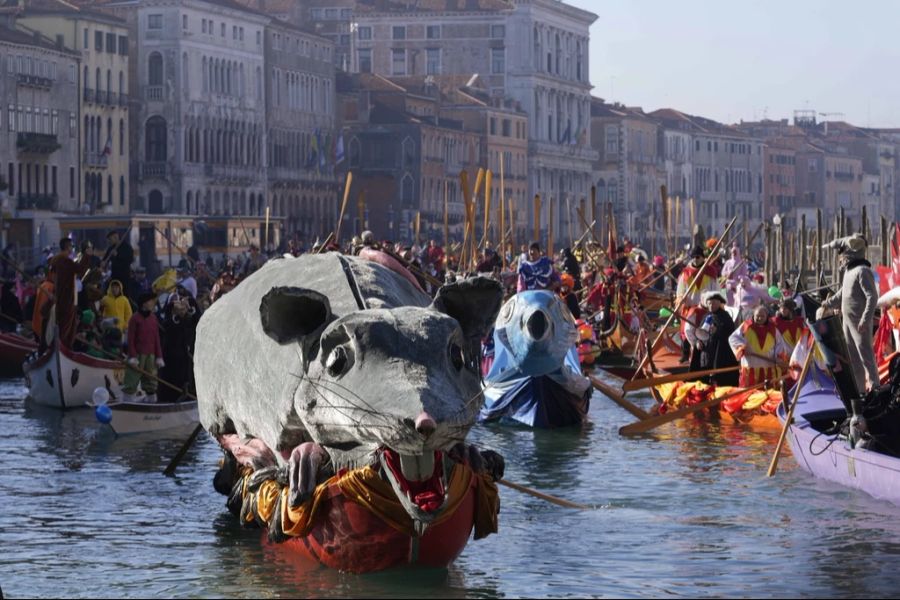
(733, 60)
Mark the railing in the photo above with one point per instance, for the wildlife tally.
(37, 201)
(88, 95)
(153, 92)
(154, 169)
(36, 143)
(35, 80)
(96, 159)
(232, 172)
(123, 99)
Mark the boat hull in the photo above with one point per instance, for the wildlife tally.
(871, 472)
(61, 378)
(137, 417)
(349, 537)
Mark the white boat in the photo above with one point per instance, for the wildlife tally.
(143, 417)
(63, 378)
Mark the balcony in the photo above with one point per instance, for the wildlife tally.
(153, 92)
(235, 173)
(36, 143)
(154, 169)
(88, 95)
(37, 202)
(96, 159)
(844, 176)
(123, 100)
(562, 150)
(34, 80)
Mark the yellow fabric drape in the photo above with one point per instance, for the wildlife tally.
(365, 487)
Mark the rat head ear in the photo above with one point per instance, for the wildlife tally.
(474, 303)
(290, 314)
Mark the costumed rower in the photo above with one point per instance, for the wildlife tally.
(692, 297)
(537, 272)
(790, 325)
(760, 347)
(711, 341)
(67, 270)
(856, 301)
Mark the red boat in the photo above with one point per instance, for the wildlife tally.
(14, 349)
(355, 523)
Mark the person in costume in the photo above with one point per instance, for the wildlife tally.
(691, 295)
(789, 324)
(760, 348)
(537, 273)
(710, 341)
(857, 299)
(144, 351)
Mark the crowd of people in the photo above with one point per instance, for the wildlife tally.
(105, 304)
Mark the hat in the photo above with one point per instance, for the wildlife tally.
(711, 243)
(659, 261)
(698, 251)
(852, 246)
(567, 280)
(707, 296)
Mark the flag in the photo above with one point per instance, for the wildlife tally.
(107, 149)
(566, 135)
(339, 150)
(895, 257)
(320, 150)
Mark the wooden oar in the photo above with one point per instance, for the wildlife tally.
(639, 384)
(690, 287)
(790, 414)
(654, 422)
(618, 396)
(552, 499)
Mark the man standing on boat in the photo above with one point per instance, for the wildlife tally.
(856, 301)
(760, 348)
(537, 273)
(691, 309)
(790, 325)
(710, 341)
(119, 256)
(67, 270)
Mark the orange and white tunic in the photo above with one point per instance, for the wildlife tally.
(705, 283)
(790, 329)
(766, 343)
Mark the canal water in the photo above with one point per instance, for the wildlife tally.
(687, 511)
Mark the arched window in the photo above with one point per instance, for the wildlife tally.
(185, 73)
(85, 81)
(121, 137)
(188, 203)
(121, 83)
(108, 142)
(155, 205)
(109, 86)
(155, 69)
(121, 190)
(109, 190)
(97, 80)
(155, 138)
(205, 75)
(407, 192)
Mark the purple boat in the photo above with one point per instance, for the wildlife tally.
(828, 455)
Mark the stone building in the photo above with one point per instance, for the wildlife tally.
(39, 130)
(102, 42)
(301, 132)
(199, 124)
(534, 52)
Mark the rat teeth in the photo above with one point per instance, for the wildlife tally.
(417, 467)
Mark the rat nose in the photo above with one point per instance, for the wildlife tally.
(425, 424)
(537, 325)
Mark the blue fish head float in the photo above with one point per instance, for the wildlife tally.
(538, 330)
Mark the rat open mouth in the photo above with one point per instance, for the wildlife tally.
(418, 480)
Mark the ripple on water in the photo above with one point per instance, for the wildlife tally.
(686, 511)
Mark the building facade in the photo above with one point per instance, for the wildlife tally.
(303, 141)
(39, 132)
(102, 42)
(198, 133)
(534, 52)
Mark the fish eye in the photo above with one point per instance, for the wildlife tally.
(456, 357)
(337, 362)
